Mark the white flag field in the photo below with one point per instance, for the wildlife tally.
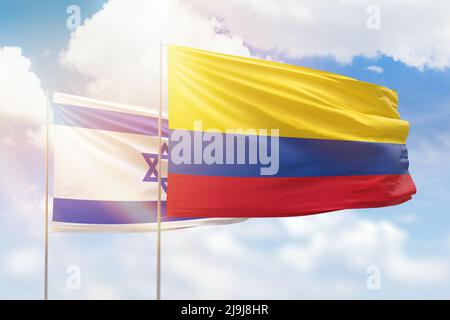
(105, 161)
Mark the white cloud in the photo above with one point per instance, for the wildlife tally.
(23, 262)
(306, 257)
(103, 292)
(431, 271)
(326, 259)
(22, 100)
(27, 206)
(407, 218)
(21, 95)
(37, 136)
(323, 256)
(119, 46)
(30, 201)
(47, 53)
(339, 28)
(360, 242)
(448, 240)
(376, 69)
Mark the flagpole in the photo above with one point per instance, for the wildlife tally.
(49, 98)
(158, 234)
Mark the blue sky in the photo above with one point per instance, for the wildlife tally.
(122, 265)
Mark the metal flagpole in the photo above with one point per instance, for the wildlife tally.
(49, 98)
(158, 234)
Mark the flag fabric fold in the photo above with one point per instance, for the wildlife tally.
(339, 142)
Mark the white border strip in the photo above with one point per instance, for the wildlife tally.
(139, 227)
(73, 100)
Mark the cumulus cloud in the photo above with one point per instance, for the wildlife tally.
(22, 262)
(318, 256)
(22, 100)
(37, 136)
(30, 201)
(448, 241)
(435, 150)
(119, 47)
(340, 28)
(407, 218)
(376, 69)
(21, 95)
(324, 256)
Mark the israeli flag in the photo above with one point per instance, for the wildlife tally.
(105, 161)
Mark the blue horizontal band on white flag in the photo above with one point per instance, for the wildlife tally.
(108, 212)
(100, 119)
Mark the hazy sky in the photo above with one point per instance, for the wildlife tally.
(112, 55)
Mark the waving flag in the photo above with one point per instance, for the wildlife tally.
(105, 168)
(265, 139)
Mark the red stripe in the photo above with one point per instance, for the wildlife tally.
(211, 196)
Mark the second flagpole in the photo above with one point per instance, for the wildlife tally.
(158, 233)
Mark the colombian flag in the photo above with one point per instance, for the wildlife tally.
(340, 143)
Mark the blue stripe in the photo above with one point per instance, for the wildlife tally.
(108, 212)
(310, 158)
(75, 116)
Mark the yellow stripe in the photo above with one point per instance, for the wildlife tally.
(230, 92)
